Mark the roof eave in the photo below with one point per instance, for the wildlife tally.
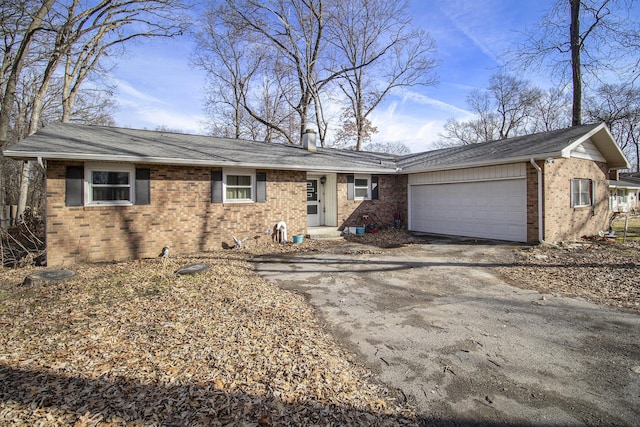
(34, 155)
(622, 184)
(606, 144)
(506, 161)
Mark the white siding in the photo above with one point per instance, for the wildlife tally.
(331, 201)
(587, 150)
(516, 170)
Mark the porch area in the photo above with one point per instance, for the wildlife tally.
(324, 233)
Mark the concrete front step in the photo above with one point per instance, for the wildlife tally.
(324, 233)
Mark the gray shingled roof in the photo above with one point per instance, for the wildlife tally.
(621, 183)
(95, 143)
(522, 148)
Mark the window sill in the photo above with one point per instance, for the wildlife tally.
(235, 202)
(106, 204)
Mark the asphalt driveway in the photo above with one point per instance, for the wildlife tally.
(435, 323)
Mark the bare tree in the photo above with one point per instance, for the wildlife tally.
(292, 33)
(81, 33)
(505, 109)
(551, 111)
(618, 106)
(389, 147)
(231, 61)
(457, 132)
(580, 41)
(21, 20)
(302, 48)
(514, 101)
(380, 51)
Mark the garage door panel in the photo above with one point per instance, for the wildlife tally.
(487, 209)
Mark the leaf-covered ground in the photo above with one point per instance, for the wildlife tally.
(606, 273)
(133, 344)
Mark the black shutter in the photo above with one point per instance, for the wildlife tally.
(261, 187)
(74, 186)
(374, 187)
(143, 186)
(351, 182)
(216, 186)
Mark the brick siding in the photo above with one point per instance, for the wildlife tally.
(561, 221)
(392, 197)
(533, 235)
(180, 215)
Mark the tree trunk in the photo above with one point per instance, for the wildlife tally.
(8, 99)
(576, 45)
(24, 190)
(36, 112)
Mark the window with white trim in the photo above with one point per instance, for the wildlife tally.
(109, 185)
(239, 186)
(622, 196)
(362, 187)
(581, 193)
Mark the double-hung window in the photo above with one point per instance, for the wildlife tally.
(362, 187)
(107, 185)
(581, 190)
(239, 187)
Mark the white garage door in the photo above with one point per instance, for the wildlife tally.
(486, 209)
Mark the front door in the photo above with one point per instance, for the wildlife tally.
(313, 202)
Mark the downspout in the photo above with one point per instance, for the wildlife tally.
(540, 211)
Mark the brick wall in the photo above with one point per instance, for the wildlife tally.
(180, 215)
(533, 235)
(562, 222)
(392, 197)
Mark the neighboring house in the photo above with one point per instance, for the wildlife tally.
(624, 190)
(115, 194)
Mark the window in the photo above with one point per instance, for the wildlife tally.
(581, 192)
(238, 187)
(622, 196)
(361, 187)
(107, 185)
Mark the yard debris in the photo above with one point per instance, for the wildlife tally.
(238, 242)
(22, 244)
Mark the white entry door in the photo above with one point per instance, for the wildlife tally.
(314, 208)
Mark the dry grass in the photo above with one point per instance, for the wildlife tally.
(633, 228)
(133, 344)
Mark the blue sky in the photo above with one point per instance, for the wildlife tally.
(156, 85)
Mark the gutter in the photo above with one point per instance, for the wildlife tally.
(195, 162)
(407, 168)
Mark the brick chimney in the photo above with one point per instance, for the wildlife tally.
(309, 140)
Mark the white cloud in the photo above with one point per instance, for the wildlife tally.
(432, 102)
(484, 22)
(129, 94)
